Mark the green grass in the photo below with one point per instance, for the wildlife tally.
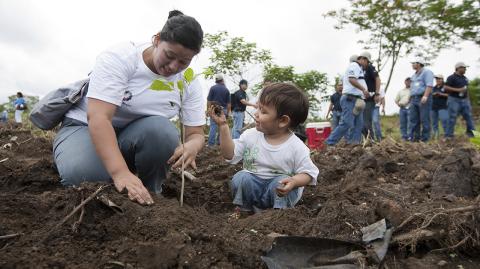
(391, 127)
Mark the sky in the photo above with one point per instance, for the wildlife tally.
(50, 43)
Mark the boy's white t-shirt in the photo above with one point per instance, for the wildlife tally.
(121, 77)
(268, 161)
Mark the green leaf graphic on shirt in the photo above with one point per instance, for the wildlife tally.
(160, 85)
(180, 85)
(249, 157)
(189, 75)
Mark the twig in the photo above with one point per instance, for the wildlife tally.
(80, 206)
(80, 219)
(431, 219)
(187, 174)
(8, 236)
(4, 160)
(407, 220)
(18, 144)
(463, 241)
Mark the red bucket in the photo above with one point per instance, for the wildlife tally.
(317, 133)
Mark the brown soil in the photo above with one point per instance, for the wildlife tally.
(409, 184)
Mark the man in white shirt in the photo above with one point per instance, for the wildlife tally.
(402, 100)
(354, 91)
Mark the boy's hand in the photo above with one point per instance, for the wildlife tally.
(217, 115)
(285, 186)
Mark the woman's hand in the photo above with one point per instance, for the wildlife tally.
(218, 119)
(135, 189)
(189, 155)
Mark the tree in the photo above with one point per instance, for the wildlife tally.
(399, 28)
(313, 83)
(234, 57)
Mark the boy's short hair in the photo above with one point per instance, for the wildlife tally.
(288, 100)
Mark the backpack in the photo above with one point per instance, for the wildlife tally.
(50, 110)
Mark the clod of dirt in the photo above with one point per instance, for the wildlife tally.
(422, 175)
(454, 175)
(368, 161)
(391, 211)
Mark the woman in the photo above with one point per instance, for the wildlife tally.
(121, 130)
(20, 105)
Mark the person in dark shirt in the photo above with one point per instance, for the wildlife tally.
(220, 95)
(458, 101)
(439, 106)
(239, 105)
(335, 107)
(373, 84)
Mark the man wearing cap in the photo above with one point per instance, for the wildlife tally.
(373, 84)
(439, 106)
(335, 106)
(458, 101)
(402, 100)
(420, 101)
(354, 91)
(239, 105)
(219, 95)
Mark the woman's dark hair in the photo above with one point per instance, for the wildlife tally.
(288, 100)
(182, 29)
(19, 94)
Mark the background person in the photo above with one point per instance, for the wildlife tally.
(458, 101)
(239, 105)
(373, 85)
(335, 108)
(20, 106)
(420, 101)
(402, 100)
(218, 94)
(439, 106)
(121, 130)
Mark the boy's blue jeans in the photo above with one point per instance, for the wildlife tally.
(250, 191)
(238, 117)
(350, 125)
(459, 106)
(404, 122)
(420, 118)
(442, 115)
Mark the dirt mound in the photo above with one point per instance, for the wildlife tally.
(357, 186)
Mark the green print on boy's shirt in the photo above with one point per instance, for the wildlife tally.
(279, 172)
(249, 157)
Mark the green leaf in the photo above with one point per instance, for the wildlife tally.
(180, 85)
(160, 85)
(188, 75)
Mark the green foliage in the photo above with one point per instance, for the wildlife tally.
(161, 85)
(313, 83)
(233, 56)
(399, 28)
(476, 139)
(474, 91)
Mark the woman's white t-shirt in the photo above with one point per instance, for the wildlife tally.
(121, 77)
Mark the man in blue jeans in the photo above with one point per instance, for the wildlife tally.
(220, 95)
(402, 100)
(335, 108)
(439, 107)
(239, 105)
(354, 91)
(420, 101)
(458, 101)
